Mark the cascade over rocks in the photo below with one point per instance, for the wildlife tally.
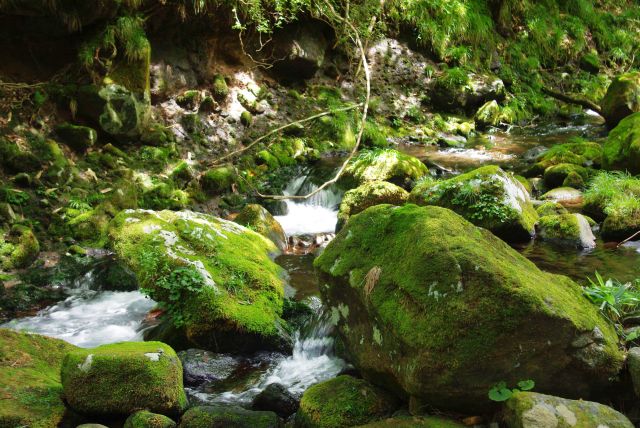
(419, 293)
(488, 197)
(216, 277)
(622, 98)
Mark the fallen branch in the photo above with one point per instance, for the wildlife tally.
(628, 239)
(281, 128)
(573, 100)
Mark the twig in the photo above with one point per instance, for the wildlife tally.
(628, 239)
(572, 100)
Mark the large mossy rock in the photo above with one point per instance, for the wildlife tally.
(582, 153)
(145, 419)
(227, 416)
(121, 378)
(384, 165)
(19, 248)
(533, 410)
(367, 195)
(79, 138)
(30, 384)
(621, 151)
(343, 402)
(488, 197)
(571, 230)
(118, 111)
(622, 98)
(215, 277)
(565, 174)
(434, 308)
(258, 219)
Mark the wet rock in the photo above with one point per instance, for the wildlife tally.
(30, 379)
(121, 378)
(204, 367)
(488, 197)
(622, 98)
(367, 195)
(533, 410)
(308, 243)
(232, 300)
(621, 151)
(79, 138)
(301, 51)
(276, 398)
(258, 219)
(450, 140)
(384, 165)
(566, 196)
(633, 361)
(145, 419)
(343, 401)
(442, 313)
(227, 416)
(567, 229)
(534, 153)
(456, 91)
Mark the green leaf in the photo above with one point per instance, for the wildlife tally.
(500, 393)
(526, 385)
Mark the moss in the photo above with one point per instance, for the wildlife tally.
(574, 179)
(21, 250)
(145, 419)
(264, 157)
(563, 226)
(527, 408)
(30, 380)
(341, 402)
(89, 227)
(258, 219)
(240, 290)
(133, 74)
(622, 98)
(385, 165)
(488, 115)
(415, 422)
(164, 196)
(80, 138)
(218, 415)
(218, 180)
(17, 159)
(555, 175)
(551, 208)
(189, 99)
(246, 118)
(488, 197)
(182, 173)
(581, 153)
(621, 151)
(367, 195)
(444, 291)
(220, 88)
(121, 378)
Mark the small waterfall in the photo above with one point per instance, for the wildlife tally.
(318, 214)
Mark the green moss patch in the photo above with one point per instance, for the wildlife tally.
(385, 165)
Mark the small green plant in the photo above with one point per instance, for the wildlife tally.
(174, 289)
(617, 301)
(500, 391)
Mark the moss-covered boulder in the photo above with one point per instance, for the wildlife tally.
(419, 293)
(582, 153)
(488, 197)
(146, 419)
(621, 151)
(367, 195)
(219, 415)
(621, 223)
(214, 277)
(384, 165)
(488, 115)
(218, 180)
(551, 208)
(30, 380)
(121, 378)
(19, 248)
(118, 111)
(258, 219)
(79, 138)
(567, 229)
(414, 422)
(532, 410)
(555, 175)
(622, 98)
(343, 402)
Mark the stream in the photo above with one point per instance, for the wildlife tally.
(89, 317)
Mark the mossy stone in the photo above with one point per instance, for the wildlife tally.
(533, 410)
(384, 165)
(215, 277)
(246, 118)
(220, 88)
(218, 180)
(621, 151)
(583, 153)
(79, 138)
(488, 197)
(575, 180)
(567, 229)
(30, 380)
(620, 225)
(20, 249)
(414, 422)
(555, 175)
(425, 281)
(367, 195)
(622, 98)
(488, 115)
(189, 99)
(342, 402)
(15, 159)
(121, 378)
(258, 219)
(146, 419)
(551, 208)
(219, 415)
